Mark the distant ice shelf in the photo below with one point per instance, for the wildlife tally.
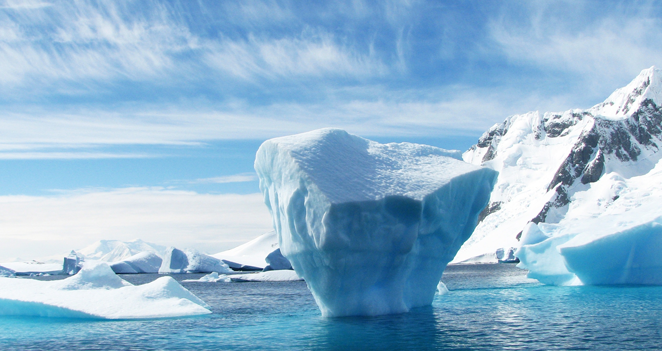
(370, 227)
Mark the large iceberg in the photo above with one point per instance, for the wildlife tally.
(369, 226)
(97, 292)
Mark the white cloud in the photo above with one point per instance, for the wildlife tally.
(605, 50)
(36, 134)
(235, 178)
(23, 4)
(68, 155)
(311, 55)
(80, 43)
(37, 226)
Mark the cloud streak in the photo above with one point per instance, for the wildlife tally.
(37, 226)
(612, 48)
(235, 178)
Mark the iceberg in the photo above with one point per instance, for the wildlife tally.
(72, 263)
(33, 268)
(6, 272)
(268, 276)
(276, 261)
(144, 262)
(370, 227)
(97, 292)
(250, 256)
(190, 261)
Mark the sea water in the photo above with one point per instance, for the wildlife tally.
(488, 307)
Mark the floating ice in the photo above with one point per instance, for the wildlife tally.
(144, 262)
(441, 288)
(369, 226)
(251, 255)
(33, 268)
(97, 292)
(277, 261)
(6, 272)
(191, 261)
(72, 263)
(268, 276)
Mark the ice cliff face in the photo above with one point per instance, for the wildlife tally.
(370, 227)
(548, 163)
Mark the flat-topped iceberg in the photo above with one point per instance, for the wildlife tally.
(369, 226)
(97, 292)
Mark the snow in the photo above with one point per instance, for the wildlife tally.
(33, 267)
(116, 250)
(6, 272)
(190, 261)
(613, 235)
(530, 150)
(144, 262)
(97, 292)
(619, 104)
(252, 253)
(269, 276)
(526, 166)
(369, 226)
(441, 288)
(277, 261)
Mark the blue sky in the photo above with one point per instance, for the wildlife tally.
(108, 106)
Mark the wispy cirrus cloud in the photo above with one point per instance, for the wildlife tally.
(606, 48)
(87, 46)
(311, 55)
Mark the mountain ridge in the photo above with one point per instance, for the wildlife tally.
(545, 159)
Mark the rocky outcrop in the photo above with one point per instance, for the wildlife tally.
(564, 153)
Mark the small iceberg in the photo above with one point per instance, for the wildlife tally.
(177, 261)
(97, 292)
(143, 262)
(268, 276)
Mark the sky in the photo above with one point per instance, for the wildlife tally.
(140, 119)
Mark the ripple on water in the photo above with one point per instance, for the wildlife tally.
(488, 307)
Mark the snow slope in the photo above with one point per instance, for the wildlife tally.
(252, 253)
(144, 262)
(549, 164)
(116, 250)
(97, 292)
(369, 226)
(190, 261)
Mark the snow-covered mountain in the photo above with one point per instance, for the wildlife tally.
(551, 164)
(116, 250)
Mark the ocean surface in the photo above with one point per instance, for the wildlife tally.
(489, 307)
